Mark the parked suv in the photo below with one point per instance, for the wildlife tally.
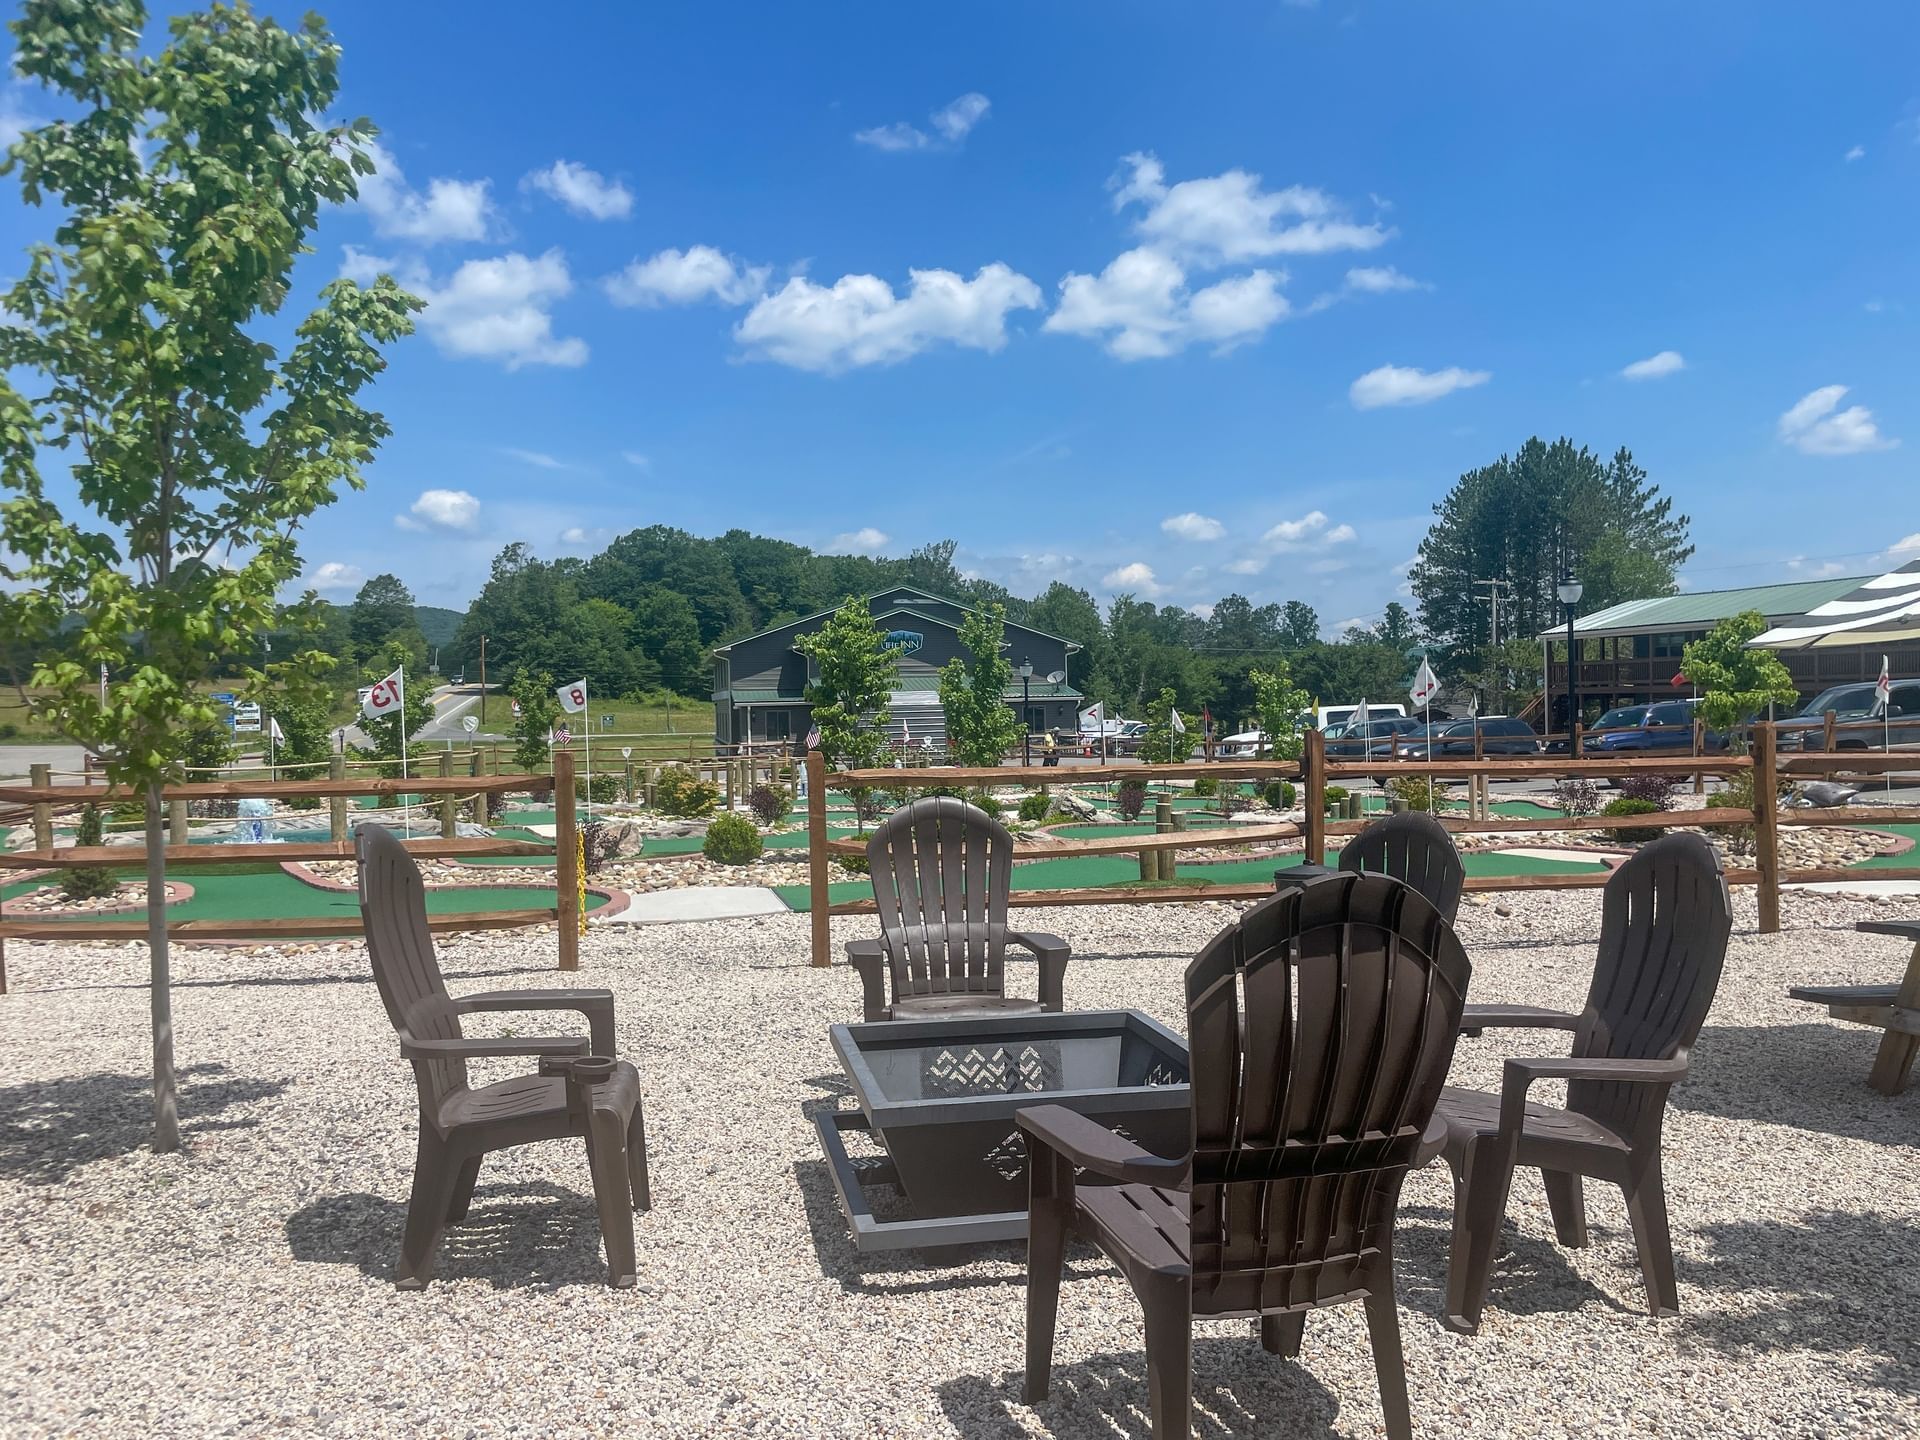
(1808, 729)
(1373, 737)
(1665, 726)
(1499, 735)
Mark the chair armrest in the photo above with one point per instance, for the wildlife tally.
(505, 1047)
(1092, 1146)
(595, 1004)
(1475, 1018)
(870, 960)
(1519, 1074)
(1052, 953)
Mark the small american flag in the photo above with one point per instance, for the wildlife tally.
(562, 735)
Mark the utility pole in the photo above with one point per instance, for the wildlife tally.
(1493, 598)
(483, 680)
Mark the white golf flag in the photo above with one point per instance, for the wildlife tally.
(1094, 716)
(384, 696)
(572, 698)
(274, 732)
(1883, 689)
(1179, 725)
(1426, 684)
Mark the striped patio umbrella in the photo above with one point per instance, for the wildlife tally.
(1881, 612)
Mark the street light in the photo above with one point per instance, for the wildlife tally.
(1025, 671)
(1569, 589)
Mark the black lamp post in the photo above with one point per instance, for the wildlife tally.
(1026, 710)
(1569, 590)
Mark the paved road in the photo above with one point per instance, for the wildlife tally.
(14, 759)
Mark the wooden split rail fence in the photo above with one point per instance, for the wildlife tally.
(1316, 770)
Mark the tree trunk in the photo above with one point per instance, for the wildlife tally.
(166, 1110)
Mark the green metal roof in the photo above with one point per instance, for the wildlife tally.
(1703, 609)
(895, 590)
(1041, 690)
(760, 697)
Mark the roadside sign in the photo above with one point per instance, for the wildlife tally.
(626, 752)
(225, 697)
(606, 722)
(470, 723)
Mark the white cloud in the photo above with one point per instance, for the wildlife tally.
(1141, 307)
(1247, 565)
(1655, 367)
(860, 321)
(573, 535)
(636, 459)
(1341, 535)
(1136, 578)
(336, 575)
(587, 193)
(864, 541)
(496, 309)
(1193, 526)
(1310, 528)
(952, 123)
(440, 510)
(686, 277)
(1202, 612)
(17, 115)
(1381, 280)
(1816, 570)
(1908, 546)
(1408, 385)
(537, 458)
(1816, 426)
(1858, 152)
(1230, 217)
(450, 210)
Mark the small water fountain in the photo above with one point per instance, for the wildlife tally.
(254, 825)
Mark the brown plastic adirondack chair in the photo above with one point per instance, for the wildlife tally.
(580, 1090)
(1321, 1025)
(941, 870)
(1414, 847)
(1664, 924)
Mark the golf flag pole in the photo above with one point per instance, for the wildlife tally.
(1883, 700)
(1177, 727)
(1425, 682)
(388, 696)
(573, 700)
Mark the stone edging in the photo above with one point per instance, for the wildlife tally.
(617, 900)
(178, 893)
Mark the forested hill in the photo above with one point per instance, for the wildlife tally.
(437, 623)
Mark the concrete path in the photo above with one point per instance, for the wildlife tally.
(697, 902)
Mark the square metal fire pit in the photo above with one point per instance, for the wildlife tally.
(940, 1097)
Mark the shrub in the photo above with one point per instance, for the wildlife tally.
(1577, 796)
(1418, 792)
(8, 730)
(604, 789)
(769, 804)
(986, 800)
(1035, 807)
(1336, 794)
(1279, 794)
(1737, 794)
(682, 793)
(598, 841)
(92, 881)
(868, 804)
(856, 863)
(1206, 785)
(1132, 799)
(1656, 790)
(1630, 805)
(732, 840)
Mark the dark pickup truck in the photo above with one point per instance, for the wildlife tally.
(1852, 704)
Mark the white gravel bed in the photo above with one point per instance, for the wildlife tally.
(243, 1288)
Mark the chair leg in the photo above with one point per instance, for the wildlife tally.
(1568, 1204)
(1046, 1253)
(1647, 1209)
(1383, 1326)
(434, 1177)
(1169, 1311)
(607, 1158)
(1479, 1206)
(463, 1184)
(637, 1178)
(1281, 1334)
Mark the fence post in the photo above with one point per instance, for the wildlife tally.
(40, 776)
(1313, 779)
(1699, 743)
(449, 802)
(630, 793)
(337, 804)
(566, 857)
(1829, 730)
(1163, 825)
(821, 940)
(1766, 828)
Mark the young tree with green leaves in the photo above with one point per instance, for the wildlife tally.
(1736, 684)
(182, 188)
(852, 687)
(1162, 744)
(533, 725)
(1280, 705)
(981, 726)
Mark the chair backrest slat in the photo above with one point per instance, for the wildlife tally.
(941, 870)
(393, 910)
(1320, 1024)
(1413, 847)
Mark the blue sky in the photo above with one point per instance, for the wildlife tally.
(1209, 298)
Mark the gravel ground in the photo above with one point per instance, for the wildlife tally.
(242, 1289)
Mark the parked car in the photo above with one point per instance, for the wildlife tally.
(1499, 735)
(1326, 717)
(1807, 730)
(1372, 737)
(1126, 740)
(1244, 746)
(1667, 725)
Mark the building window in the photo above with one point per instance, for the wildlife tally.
(779, 725)
(1671, 647)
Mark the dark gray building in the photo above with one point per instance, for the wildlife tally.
(760, 681)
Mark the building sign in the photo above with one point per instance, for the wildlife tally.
(906, 642)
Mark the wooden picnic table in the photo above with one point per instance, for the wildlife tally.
(1892, 1008)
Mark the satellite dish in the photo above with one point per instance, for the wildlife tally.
(1058, 677)
(470, 723)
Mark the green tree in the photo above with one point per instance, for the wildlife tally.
(1299, 625)
(88, 882)
(981, 726)
(414, 715)
(185, 181)
(382, 606)
(1162, 744)
(1071, 614)
(666, 633)
(1736, 684)
(1280, 705)
(533, 726)
(852, 685)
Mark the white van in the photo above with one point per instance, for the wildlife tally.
(1329, 715)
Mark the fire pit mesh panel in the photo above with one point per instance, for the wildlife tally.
(997, 1070)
